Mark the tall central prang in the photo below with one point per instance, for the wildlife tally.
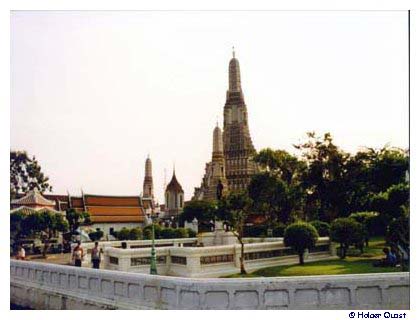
(238, 147)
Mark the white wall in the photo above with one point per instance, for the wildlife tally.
(47, 286)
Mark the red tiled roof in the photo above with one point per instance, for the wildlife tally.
(118, 201)
(57, 197)
(114, 211)
(107, 219)
(76, 202)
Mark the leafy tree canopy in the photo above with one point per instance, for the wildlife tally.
(26, 174)
(300, 236)
(200, 209)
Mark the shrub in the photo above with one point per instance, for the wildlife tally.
(135, 234)
(96, 235)
(147, 232)
(168, 233)
(300, 236)
(204, 227)
(191, 233)
(347, 232)
(258, 230)
(181, 233)
(123, 234)
(323, 228)
(278, 230)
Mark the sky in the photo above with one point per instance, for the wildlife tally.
(93, 93)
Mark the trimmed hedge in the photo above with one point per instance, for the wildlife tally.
(323, 228)
(96, 235)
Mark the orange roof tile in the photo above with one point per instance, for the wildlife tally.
(76, 202)
(115, 211)
(96, 219)
(117, 201)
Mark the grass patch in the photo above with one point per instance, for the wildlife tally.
(350, 265)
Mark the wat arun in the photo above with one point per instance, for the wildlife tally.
(234, 163)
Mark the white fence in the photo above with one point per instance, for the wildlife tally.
(48, 286)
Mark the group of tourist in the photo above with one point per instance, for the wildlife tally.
(78, 255)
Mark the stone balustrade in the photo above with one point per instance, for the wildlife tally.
(211, 261)
(87, 246)
(47, 286)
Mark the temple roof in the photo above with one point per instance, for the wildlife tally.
(33, 198)
(174, 185)
(29, 210)
(102, 208)
(117, 201)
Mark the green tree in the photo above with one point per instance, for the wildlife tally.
(26, 174)
(324, 180)
(77, 218)
(300, 236)
(398, 232)
(281, 164)
(235, 208)
(45, 222)
(372, 171)
(346, 232)
(16, 229)
(277, 191)
(368, 221)
(200, 209)
(269, 196)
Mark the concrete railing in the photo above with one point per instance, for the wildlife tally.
(87, 246)
(211, 261)
(48, 286)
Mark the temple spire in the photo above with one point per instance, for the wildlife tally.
(234, 74)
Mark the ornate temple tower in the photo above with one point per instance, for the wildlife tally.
(217, 185)
(174, 197)
(148, 181)
(238, 147)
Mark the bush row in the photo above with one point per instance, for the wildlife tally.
(160, 233)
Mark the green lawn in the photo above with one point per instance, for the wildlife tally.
(360, 264)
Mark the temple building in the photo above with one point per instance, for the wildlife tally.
(238, 147)
(174, 198)
(214, 184)
(232, 166)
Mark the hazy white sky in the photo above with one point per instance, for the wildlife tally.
(92, 93)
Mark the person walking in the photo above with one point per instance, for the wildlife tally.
(21, 254)
(78, 255)
(96, 256)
